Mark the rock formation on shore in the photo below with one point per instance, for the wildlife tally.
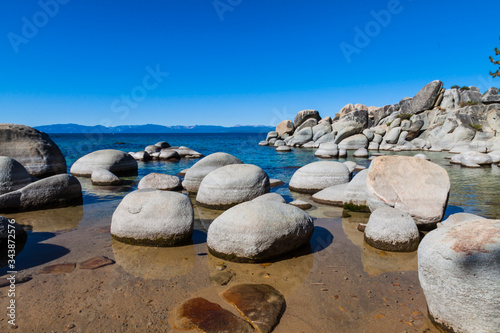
(436, 119)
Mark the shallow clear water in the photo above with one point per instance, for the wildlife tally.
(472, 190)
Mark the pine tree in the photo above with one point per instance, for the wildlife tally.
(496, 62)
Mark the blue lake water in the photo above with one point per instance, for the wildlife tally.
(473, 190)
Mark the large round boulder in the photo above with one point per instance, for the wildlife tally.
(285, 127)
(459, 271)
(390, 229)
(327, 150)
(203, 167)
(115, 161)
(412, 185)
(316, 176)
(257, 231)
(153, 218)
(303, 115)
(159, 181)
(232, 184)
(33, 149)
(354, 142)
(51, 192)
(13, 175)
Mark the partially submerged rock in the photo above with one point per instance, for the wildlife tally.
(257, 231)
(316, 176)
(390, 229)
(104, 177)
(20, 237)
(333, 195)
(205, 316)
(232, 184)
(53, 192)
(115, 161)
(159, 181)
(412, 185)
(203, 167)
(268, 197)
(153, 218)
(260, 304)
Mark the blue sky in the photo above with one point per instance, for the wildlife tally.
(229, 62)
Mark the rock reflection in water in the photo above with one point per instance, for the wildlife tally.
(154, 262)
(50, 220)
(376, 262)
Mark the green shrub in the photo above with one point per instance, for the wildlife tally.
(404, 116)
(389, 123)
(464, 104)
(455, 87)
(477, 127)
(464, 88)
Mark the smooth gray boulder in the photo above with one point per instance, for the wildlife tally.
(303, 115)
(392, 136)
(263, 143)
(272, 135)
(361, 152)
(327, 150)
(258, 231)
(491, 96)
(284, 149)
(459, 271)
(279, 143)
(162, 144)
(285, 127)
(412, 185)
(422, 156)
(160, 181)
(316, 176)
(52, 192)
(425, 99)
(356, 141)
(459, 217)
(390, 229)
(115, 161)
(141, 156)
(311, 122)
(451, 99)
(472, 159)
(310, 144)
(268, 197)
(470, 96)
(13, 175)
(169, 155)
(354, 194)
(104, 177)
(186, 152)
(39, 155)
(332, 195)
(232, 184)
(301, 204)
(152, 149)
(203, 167)
(345, 132)
(350, 165)
(153, 218)
(321, 129)
(301, 137)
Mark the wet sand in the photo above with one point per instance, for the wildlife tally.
(340, 284)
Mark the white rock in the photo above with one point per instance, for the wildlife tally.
(232, 184)
(390, 229)
(459, 271)
(333, 195)
(115, 161)
(316, 176)
(355, 193)
(159, 181)
(257, 231)
(104, 177)
(327, 150)
(154, 218)
(270, 197)
(362, 152)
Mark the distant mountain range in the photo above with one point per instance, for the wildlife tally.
(151, 128)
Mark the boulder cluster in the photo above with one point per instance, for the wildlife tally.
(164, 152)
(33, 172)
(435, 119)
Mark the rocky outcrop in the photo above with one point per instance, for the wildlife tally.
(39, 155)
(303, 115)
(257, 231)
(425, 99)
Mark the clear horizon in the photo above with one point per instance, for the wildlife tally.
(229, 62)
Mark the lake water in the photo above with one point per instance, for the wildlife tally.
(339, 284)
(473, 190)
